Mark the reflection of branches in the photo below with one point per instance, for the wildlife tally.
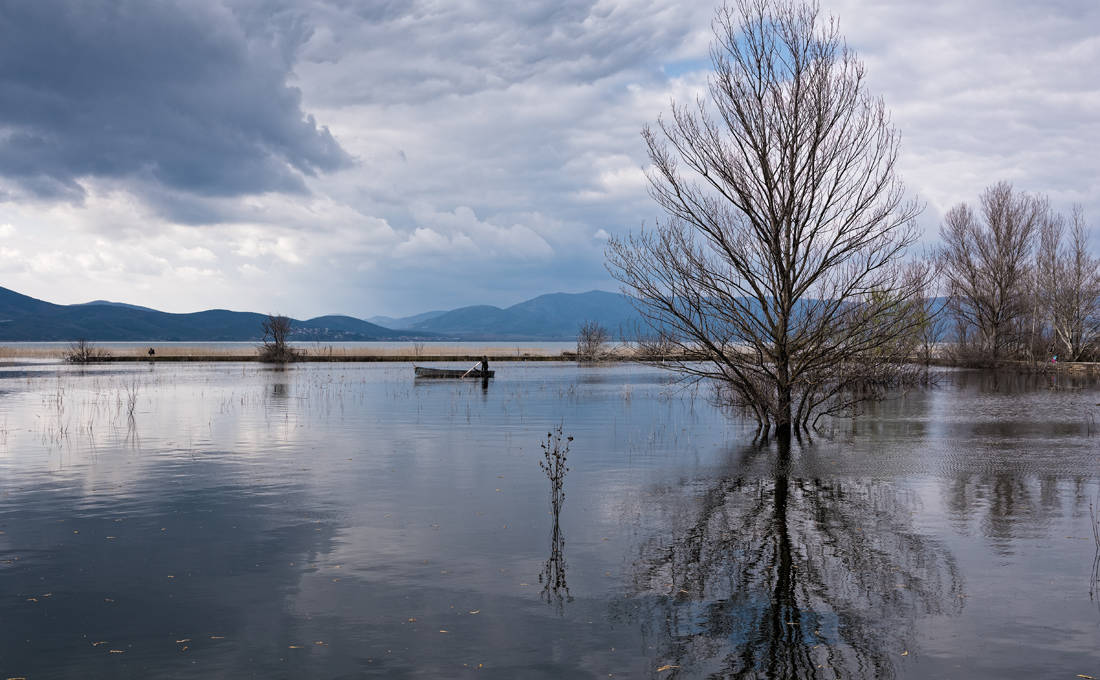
(784, 577)
(1015, 381)
(555, 590)
(131, 400)
(555, 450)
(1006, 502)
(133, 440)
(1095, 582)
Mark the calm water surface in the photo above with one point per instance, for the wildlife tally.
(344, 520)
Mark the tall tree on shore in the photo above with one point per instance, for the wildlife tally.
(275, 347)
(779, 261)
(987, 265)
(1069, 286)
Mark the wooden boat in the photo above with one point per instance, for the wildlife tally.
(422, 372)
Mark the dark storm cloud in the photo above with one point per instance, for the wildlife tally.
(188, 95)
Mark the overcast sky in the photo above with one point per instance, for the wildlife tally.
(386, 157)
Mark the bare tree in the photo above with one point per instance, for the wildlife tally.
(1069, 286)
(591, 341)
(987, 265)
(275, 347)
(933, 323)
(654, 346)
(1044, 282)
(82, 352)
(779, 262)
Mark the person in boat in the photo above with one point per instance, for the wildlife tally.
(485, 366)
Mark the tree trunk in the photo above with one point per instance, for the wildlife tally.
(783, 405)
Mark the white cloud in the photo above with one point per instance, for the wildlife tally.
(254, 243)
(429, 242)
(198, 254)
(985, 91)
(503, 140)
(463, 231)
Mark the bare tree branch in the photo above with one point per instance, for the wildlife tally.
(779, 261)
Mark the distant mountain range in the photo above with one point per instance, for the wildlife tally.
(405, 321)
(557, 316)
(24, 318)
(553, 317)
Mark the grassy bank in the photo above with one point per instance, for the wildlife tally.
(1075, 367)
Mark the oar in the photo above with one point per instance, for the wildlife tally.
(471, 368)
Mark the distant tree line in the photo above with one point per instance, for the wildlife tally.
(1019, 280)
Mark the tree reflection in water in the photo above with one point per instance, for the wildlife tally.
(555, 590)
(1094, 582)
(781, 577)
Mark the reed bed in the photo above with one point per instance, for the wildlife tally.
(60, 353)
(31, 352)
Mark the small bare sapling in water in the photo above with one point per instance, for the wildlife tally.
(555, 450)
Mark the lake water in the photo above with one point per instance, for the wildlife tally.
(344, 520)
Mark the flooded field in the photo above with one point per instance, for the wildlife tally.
(343, 520)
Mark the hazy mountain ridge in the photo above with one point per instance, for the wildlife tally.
(551, 317)
(555, 316)
(405, 321)
(115, 304)
(26, 319)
